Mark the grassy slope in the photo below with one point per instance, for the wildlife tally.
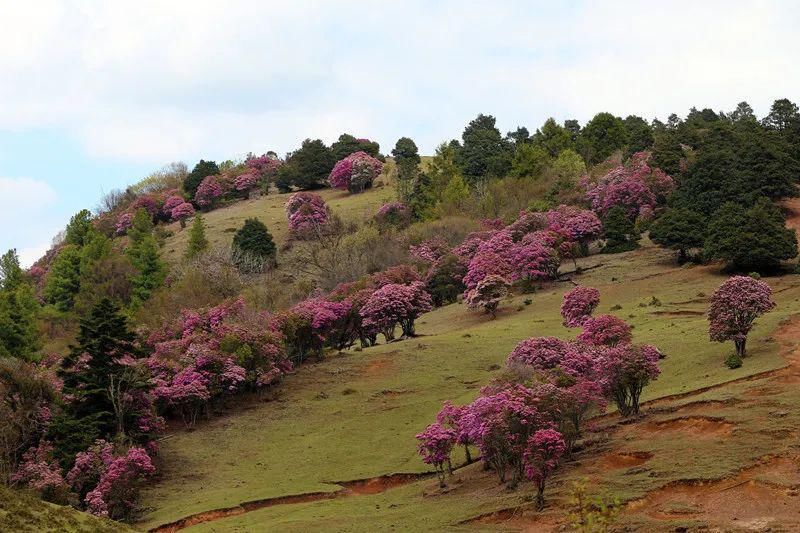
(20, 512)
(221, 224)
(355, 415)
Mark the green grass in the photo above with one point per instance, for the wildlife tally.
(21, 512)
(221, 224)
(314, 434)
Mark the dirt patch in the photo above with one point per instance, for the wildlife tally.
(379, 367)
(380, 484)
(624, 459)
(758, 498)
(701, 427)
(678, 314)
(519, 519)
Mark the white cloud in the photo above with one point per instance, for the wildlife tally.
(26, 216)
(158, 81)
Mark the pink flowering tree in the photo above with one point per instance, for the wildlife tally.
(307, 213)
(171, 203)
(116, 493)
(264, 166)
(627, 369)
(124, 223)
(393, 214)
(735, 305)
(541, 353)
(355, 173)
(435, 445)
(542, 455)
(246, 182)
(487, 294)
(452, 416)
(534, 260)
(208, 192)
(395, 304)
(41, 472)
(430, 250)
(605, 330)
(486, 263)
(578, 305)
(181, 212)
(575, 224)
(308, 325)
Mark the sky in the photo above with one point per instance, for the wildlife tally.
(96, 95)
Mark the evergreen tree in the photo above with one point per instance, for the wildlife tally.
(198, 243)
(455, 194)
(619, 231)
(201, 170)
(306, 168)
(530, 161)
(639, 134)
(423, 198)
(750, 239)
(553, 138)
(679, 229)
(97, 380)
(64, 278)
(601, 137)
(406, 158)
(11, 274)
(143, 253)
(781, 115)
(19, 335)
(348, 144)
(79, 229)
(485, 153)
(253, 241)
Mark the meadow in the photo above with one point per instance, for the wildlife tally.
(354, 415)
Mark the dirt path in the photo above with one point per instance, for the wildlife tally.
(358, 487)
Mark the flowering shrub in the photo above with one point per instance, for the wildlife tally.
(605, 330)
(181, 212)
(541, 353)
(306, 211)
(212, 353)
(527, 223)
(500, 243)
(355, 172)
(533, 260)
(124, 223)
(41, 472)
(394, 214)
(307, 325)
(453, 417)
(264, 166)
(578, 305)
(487, 294)
(734, 307)
(435, 445)
(171, 203)
(627, 369)
(208, 191)
(544, 450)
(431, 250)
(245, 182)
(484, 264)
(575, 224)
(116, 492)
(633, 187)
(395, 304)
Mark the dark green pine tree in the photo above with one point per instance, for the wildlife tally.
(253, 243)
(619, 231)
(143, 252)
(90, 373)
(201, 170)
(680, 229)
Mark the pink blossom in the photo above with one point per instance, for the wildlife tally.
(124, 223)
(306, 211)
(605, 330)
(208, 191)
(734, 307)
(395, 304)
(355, 172)
(182, 211)
(578, 305)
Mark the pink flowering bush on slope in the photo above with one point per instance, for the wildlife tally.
(578, 305)
(435, 445)
(487, 294)
(393, 214)
(627, 369)
(307, 213)
(605, 330)
(734, 307)
(42, 473)
(208, 191)
(545, 448)
(355, 172)
(395, 304)
(636, 187)
(181, 212)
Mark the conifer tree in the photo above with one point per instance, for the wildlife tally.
(143, 252)
(198, 243)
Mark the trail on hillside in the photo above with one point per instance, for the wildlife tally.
(358, 487)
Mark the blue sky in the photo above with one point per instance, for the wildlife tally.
(95, 95)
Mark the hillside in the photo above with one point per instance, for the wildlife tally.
(317, 453)
(20, 512)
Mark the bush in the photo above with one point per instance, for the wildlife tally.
(253, 242)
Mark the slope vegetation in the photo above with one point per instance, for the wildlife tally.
(299, 459)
